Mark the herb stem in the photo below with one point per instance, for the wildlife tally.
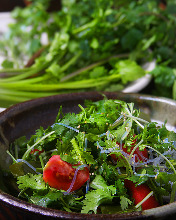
(91, 66)
(84, 27)
(87, 83)
(13, 158)
(66, 205)
(129, 166)
(41, 162)
(11, 70)
(132, 152)
(30, 148)
(145, 199)
(32, 70)
(24, 75)
(136, 118)
(82, 70)
(20, 96)
(29, 81)
(71, 61)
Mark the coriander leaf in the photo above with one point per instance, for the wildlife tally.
(125, 202)
(97, 72)
(67, 158)
(100, 183)
(109, 171)
(88, 157)
(139, 179)
(164, 76)
(102, 193)
(129, 70)
(92, 137)
(94, 198)
(20, 169)
(35, 182)
(150, 133)
(47, 199)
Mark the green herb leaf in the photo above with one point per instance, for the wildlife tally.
(34, 182)
(125, 202)
(129, 70)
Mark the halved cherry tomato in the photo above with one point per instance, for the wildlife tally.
(138, 193)
(59, 174)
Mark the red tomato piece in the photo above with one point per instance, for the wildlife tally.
(59, 174)
(139, 155)
(138, 193)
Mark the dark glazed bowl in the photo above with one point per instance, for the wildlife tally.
(25, 118)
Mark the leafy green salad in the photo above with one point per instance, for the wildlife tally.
(105, 159)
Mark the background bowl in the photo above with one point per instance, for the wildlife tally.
(24, 118)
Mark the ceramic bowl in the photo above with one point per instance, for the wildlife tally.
(24, 118)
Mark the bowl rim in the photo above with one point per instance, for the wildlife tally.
(48, 212)
(10, 200)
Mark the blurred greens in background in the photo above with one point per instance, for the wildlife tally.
(87, 45)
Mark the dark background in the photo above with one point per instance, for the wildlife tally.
(8, 5)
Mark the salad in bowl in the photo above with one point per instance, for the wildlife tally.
(107, 158)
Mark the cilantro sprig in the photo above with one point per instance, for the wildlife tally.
(90, 50)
